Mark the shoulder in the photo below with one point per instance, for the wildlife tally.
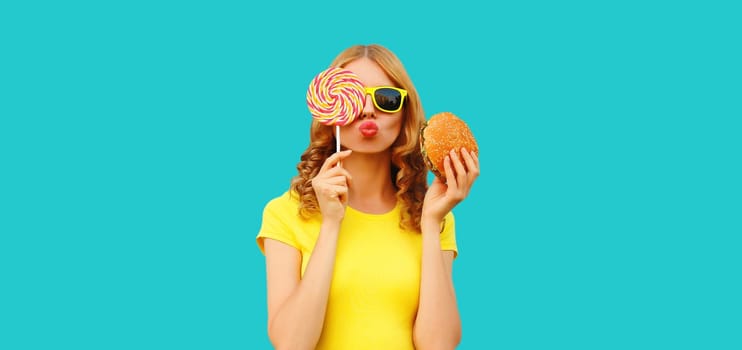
(281, 220)
(286, 200)
(284, 207)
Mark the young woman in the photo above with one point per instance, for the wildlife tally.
(359, 251)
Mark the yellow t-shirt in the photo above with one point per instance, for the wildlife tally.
(376, 282)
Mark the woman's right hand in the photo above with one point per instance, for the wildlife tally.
(331, 187)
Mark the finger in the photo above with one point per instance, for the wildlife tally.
(340, 171)
(333, 191)
(450, 177)
(336, 181)
(459, 167)
(341, 193)
(336, 176)
(334, 159)
(472, 165)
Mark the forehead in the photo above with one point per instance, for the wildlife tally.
(369, 72)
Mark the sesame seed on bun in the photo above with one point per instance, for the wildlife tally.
(441, 134)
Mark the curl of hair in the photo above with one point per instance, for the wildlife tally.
(408, 169)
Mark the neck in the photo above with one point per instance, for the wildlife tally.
(371, 190)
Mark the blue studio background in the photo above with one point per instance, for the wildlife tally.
(139, 142)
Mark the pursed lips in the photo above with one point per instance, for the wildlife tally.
(368, 128)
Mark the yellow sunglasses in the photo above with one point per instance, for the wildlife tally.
(387, 98)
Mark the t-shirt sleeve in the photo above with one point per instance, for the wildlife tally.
(277, 217)
(448, 236)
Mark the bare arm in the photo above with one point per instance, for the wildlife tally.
(438, 324)
(297, 305)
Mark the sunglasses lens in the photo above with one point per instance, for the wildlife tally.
(388, 99)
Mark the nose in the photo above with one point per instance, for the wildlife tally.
(369, 111)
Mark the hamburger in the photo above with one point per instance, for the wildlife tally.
(441, 134)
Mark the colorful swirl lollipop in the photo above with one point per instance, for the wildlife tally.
(335, 96)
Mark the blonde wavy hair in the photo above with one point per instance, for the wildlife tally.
(408, 169)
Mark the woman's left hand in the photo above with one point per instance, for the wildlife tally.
(460, 175)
